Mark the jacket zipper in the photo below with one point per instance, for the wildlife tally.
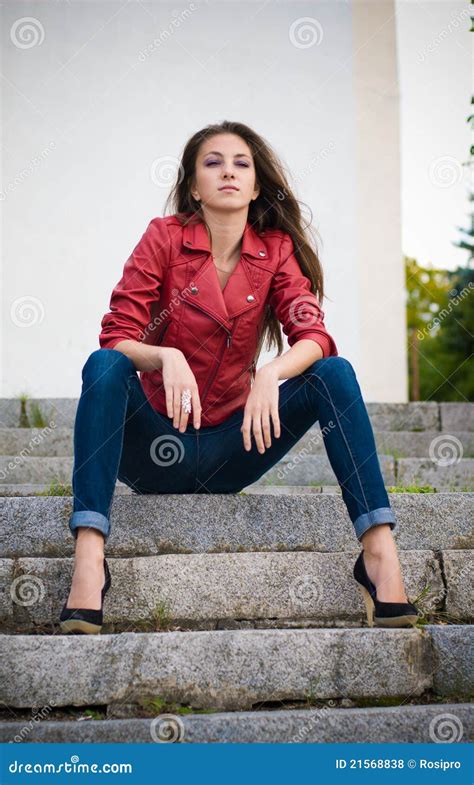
(226, 344)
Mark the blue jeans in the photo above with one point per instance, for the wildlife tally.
(119, 435)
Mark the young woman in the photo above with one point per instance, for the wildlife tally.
(199, 294)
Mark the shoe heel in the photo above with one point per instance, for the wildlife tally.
(369, 605)
(85, 621)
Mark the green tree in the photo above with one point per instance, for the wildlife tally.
(440, 324)
(455, 341)
(427, 294)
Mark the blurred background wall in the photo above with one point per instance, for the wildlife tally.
(98, 100)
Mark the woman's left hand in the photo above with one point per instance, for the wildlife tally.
(262, 403)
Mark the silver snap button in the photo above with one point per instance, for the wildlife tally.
(250, 298)
(194, 290)
(261, 253)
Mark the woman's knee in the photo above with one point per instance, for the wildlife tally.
(104, 363)
(331, 367)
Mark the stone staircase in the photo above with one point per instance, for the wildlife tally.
(235, 618)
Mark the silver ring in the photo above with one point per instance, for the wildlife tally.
(186, 401)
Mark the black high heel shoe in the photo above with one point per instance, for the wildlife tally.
(85, 620)
(387, 614)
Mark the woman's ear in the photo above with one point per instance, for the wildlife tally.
(193, 190)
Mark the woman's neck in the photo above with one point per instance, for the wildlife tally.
(226, 239)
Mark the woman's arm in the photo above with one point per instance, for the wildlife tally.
(298, 308)
(294, 361)
(144, 357)
(262, 402)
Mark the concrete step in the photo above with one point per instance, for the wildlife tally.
(396, 444)
(312, 468)
(325, 724)
(57, 442)
(458, 475)
(233, 670)
(419, 416)
(33, 489)
(148, 525)
(233, 590)
(290, 470)
(16, 469)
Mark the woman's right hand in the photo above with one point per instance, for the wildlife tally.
(178, 376)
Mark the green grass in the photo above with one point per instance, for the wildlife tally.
(159, 705)
(160, 619)
(411, 489)
(96, 715)
(36, 418)
(56, 488)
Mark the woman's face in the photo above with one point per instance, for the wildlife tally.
(223, 160)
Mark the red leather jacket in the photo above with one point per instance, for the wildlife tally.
(170, 295)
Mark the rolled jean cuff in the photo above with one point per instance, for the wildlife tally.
(91, 520)
(374, 517)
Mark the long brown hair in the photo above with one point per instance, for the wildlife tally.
(276, 207)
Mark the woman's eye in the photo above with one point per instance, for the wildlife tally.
(240, 163)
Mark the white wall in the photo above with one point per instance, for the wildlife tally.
(85, 117)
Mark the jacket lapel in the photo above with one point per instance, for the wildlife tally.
(240, 293)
